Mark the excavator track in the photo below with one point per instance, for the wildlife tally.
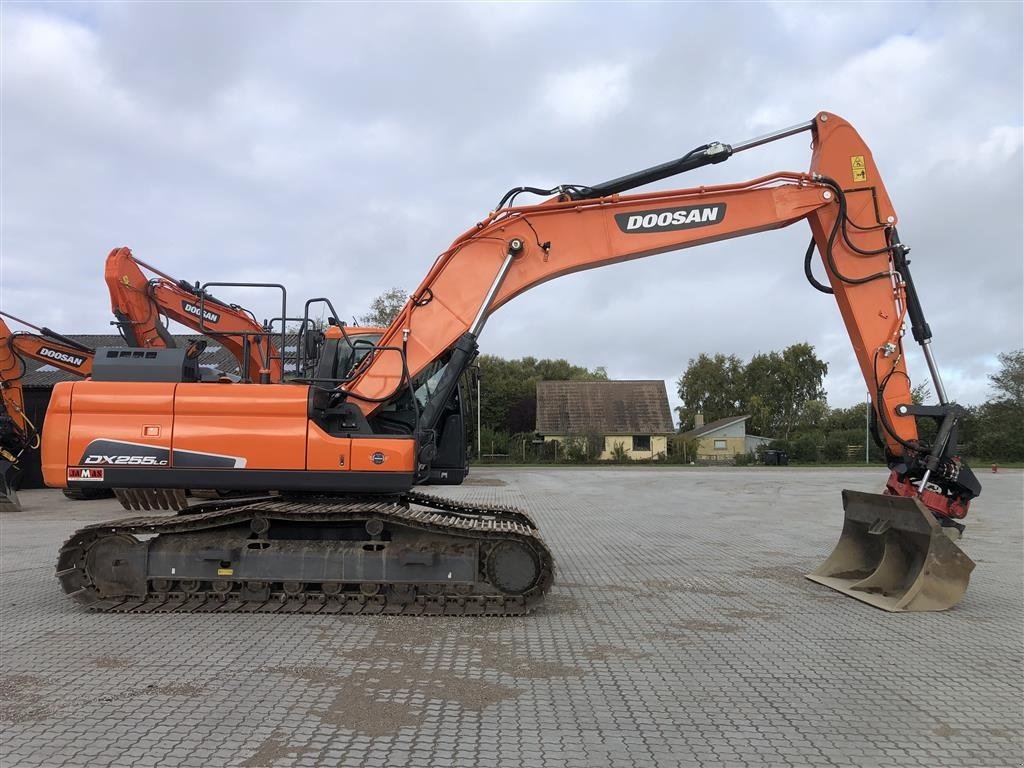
(477, 560)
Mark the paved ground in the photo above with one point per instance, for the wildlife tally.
(679, 632)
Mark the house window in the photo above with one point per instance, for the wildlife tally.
(721, 445)
(641, 442)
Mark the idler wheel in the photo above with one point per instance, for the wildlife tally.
(161, 585)
(222, 586)
(116, 564)
(189, 586)
(331, 590)
(369, 589)
(293, 588)
(512, 567)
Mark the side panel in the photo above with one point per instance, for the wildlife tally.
(111, 419)
(383, 454)
(56, 428)
(326, 452)
(258, 426)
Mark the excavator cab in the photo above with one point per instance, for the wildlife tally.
(344, 348)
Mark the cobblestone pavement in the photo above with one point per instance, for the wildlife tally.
(679, 632)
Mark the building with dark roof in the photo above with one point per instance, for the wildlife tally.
(632, 414)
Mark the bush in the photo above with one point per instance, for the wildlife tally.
(576, 449)
(804, 448)
(619, 453)
(681, 451)
(744, 459)
(834, 448)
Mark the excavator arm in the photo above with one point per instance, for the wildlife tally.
(853, 225)
(141, 304)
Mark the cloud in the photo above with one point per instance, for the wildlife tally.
(337, 148)
(588, 95)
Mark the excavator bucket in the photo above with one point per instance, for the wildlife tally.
(8, 496)
(893, 554)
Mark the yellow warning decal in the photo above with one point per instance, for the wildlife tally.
(860, 172)
(225, 571)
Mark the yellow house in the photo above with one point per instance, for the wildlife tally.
(632, 414)
(722, 439)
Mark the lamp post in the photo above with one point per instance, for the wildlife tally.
(867, 428)
(479, 436)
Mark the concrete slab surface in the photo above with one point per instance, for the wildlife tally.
(680, 632)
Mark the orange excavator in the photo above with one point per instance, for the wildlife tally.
(341, 528)
(142, 306)
(17, 432)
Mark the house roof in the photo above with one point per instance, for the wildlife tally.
(40, 375)
(609, 407)
(713, 426)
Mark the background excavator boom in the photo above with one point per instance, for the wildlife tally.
(17, 432)
(140, 305)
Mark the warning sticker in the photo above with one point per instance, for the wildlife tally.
(225, 572)
(860, 172)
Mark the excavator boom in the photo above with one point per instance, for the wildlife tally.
(380, 426)
(140, 305)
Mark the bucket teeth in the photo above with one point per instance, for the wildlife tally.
(893, 554)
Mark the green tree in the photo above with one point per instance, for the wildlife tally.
(1008, 381)
(814, 415)
(777, 389)
(921, 393)
(712, 386)
(995, 430)
(778, 386)
(509, 389)
(385, 308)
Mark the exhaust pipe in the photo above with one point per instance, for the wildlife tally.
(893, 554)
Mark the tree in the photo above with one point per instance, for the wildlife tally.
(778, 386)
(921, 393)
(712, 386)
(993, 429)
(385, 308)
(1008, 381)
(776, 389)
(509, 389)
(813, 416)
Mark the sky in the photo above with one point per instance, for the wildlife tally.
(338, 148)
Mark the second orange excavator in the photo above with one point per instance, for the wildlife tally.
(341, 529)
(17, 432)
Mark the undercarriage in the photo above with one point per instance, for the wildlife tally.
(406, 554)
